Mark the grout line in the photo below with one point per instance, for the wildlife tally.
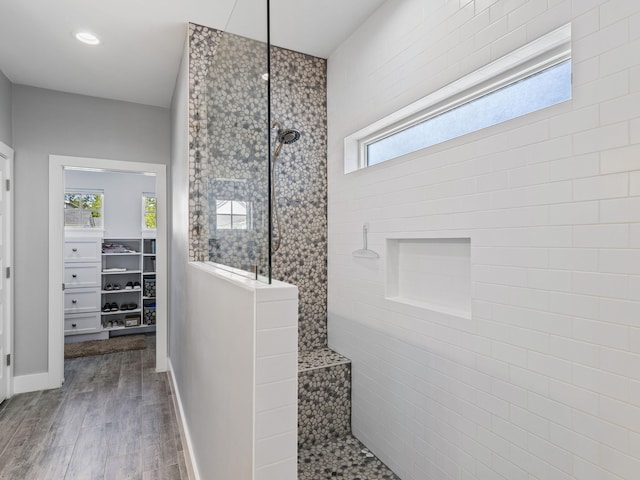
(308, 369)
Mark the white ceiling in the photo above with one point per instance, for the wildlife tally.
(142, 40)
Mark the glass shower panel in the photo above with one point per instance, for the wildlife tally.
(236, 176)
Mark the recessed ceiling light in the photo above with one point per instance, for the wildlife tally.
(88, 38)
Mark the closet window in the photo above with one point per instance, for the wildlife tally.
(149, 208)
(84, 209)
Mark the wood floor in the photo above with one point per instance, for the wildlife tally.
(113, 419)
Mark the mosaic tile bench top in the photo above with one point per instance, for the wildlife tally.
(319, 358)
(344, 458)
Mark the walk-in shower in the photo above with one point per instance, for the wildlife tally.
(259, 186)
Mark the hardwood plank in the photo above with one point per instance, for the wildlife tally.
(172, 472)
(89, 456)
(10, 457)
(67, 423)
(113, 418)
(158, 451)
(124, 467)
(127, 430)
(130, 382)
(10, 422)
(182, 464)
(52, 463)
(28, 453)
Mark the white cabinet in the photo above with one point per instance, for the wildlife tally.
(81, 323)
(82, 286)
(78, 275)
(109, 285)
(82, 250)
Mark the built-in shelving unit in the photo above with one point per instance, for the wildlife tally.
(124, 269)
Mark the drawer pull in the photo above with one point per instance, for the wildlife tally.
(74, 325)
(74, 276)
(74, 249)
(74, 301)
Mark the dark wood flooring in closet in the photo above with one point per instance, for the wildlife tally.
(113, 419)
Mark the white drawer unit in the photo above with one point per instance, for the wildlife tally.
(78, 324)
(79, 275)
(81, 300)
(83, 250)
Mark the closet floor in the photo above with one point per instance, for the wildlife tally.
(345, 458)
(113, 418)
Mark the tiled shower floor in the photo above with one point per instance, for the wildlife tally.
(344, 458)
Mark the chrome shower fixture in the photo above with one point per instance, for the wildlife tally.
(284, 136)
(288, 135)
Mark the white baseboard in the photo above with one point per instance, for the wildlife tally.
(192, 466)
(31, 383)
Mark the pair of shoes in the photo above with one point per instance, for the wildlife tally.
(110, 307)
(128, 306)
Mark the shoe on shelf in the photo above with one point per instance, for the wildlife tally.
(129, 286)
(114, 307)
(136, 284)
(116, 286)
(133, 306)
(107, 307)
(108, 287)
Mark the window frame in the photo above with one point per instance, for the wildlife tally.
(231, 215)
(82, 192)
(545, 52)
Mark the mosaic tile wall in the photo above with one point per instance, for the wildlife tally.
(324, 404)
(228, 157)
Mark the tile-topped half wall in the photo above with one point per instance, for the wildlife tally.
(228, 139)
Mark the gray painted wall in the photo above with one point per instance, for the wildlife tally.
(179, 221)
(5, 109)
(47, 122)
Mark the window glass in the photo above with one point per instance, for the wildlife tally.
(149, 207)
(538, 91)
(83, 209)
(231, 215)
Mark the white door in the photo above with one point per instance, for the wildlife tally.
(6, 157)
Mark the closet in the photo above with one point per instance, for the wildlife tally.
(109, 254)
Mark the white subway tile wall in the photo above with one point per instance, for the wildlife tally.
(543, 382)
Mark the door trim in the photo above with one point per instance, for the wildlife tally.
(6, 153)
(57, 163)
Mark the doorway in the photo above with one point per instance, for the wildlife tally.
(58, 165)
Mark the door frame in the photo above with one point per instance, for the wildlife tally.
(57, 164)
(6, 155)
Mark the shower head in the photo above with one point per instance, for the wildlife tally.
(288, 135)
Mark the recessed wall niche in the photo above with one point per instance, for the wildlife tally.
(433, 273)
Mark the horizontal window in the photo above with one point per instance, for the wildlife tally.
(538, 91)
(530, 79)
